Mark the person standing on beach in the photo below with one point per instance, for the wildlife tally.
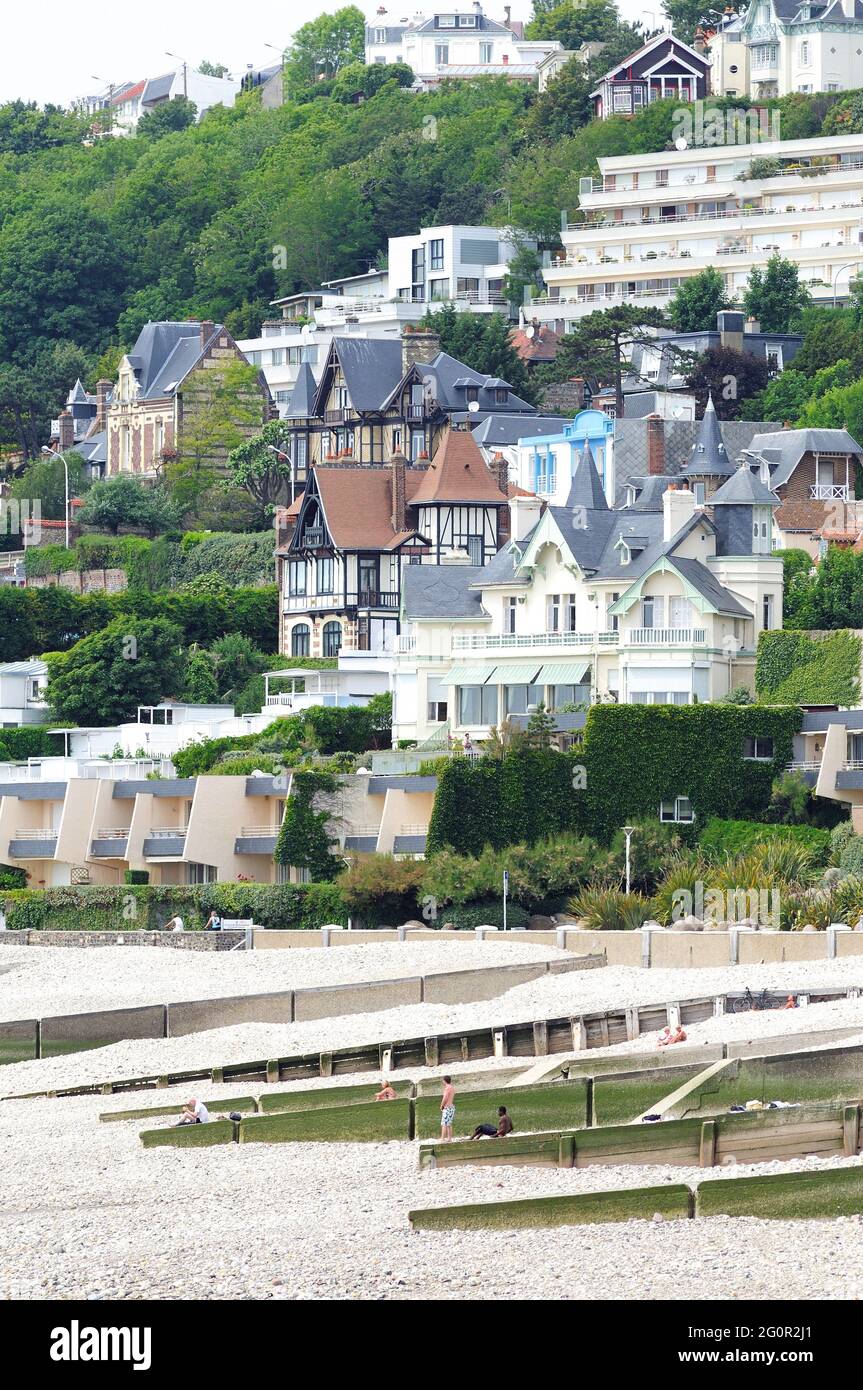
(447, 1108)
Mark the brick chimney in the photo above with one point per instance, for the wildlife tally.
(419, 346)
(207, 330)
(398, 464)
(103, 388)
(655, 445)
(499, 469)
(66, 431)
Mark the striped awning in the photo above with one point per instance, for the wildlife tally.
(563, 673)
(524, 674)
(467, 675)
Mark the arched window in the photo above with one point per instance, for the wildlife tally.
(301, 640)
(332, 638)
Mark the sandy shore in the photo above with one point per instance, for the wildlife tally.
(96, 1216)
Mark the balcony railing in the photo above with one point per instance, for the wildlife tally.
(830, 492)
(804, 765)
(338, 415)
(418, 830)
(666, 637)
(608, 185)
(114, 832)
(29, 833)
(475, 642)
(258, 832)
(725, 213)
(163, 832)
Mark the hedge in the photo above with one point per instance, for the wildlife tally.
(241, 560)
(809, 668)
(29, 741)
(632, 757)
(739, 836)
(147, 907)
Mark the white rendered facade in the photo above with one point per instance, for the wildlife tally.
(459, 41)
(651, 221)
(807, 48)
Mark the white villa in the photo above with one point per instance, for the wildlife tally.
(781, 46)
(660, 602)
(456, 43)
(652, 221)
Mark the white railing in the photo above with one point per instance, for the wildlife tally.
(503, 640)
(645, 223)
(853, 765)
(254, 832)
(115, 832)
(364, 832)
(666, 636)
(127, 769)
(163, 832)
(803, 765)
(29, 833)
(408, 644)
(413, 829)
(829, 492)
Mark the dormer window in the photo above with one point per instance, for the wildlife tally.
(501, 395)
(467, 21)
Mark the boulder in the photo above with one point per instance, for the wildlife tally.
(689, 923)
(540, 923)
(414, 925)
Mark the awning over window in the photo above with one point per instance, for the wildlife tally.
(525, 674)
(563, 673)
(467, 675)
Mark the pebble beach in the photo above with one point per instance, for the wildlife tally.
(86, 1212)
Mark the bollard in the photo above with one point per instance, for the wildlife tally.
(646, 936)
(718, 1005)
(386, 1060)
(833, 936)
(560, 938)
(325, 936)
(250, 938)
(500, 1042)
(401, 932)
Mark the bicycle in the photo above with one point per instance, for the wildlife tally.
(755, 1003)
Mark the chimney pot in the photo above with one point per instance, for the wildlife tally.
(66, 431)
(207, 329)
(421, 345)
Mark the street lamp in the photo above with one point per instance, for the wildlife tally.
(628, 831)
(504, 193)
(849, 265)
(53, 453)
(280, 453)
(168, 54)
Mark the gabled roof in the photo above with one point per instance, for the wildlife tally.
(372, 368)
(650, 490)
(165, 353)
(358, 506)
(158, 88)
(458, 473)
(509, 429)
(93, 449)
(541, 345)
(708, 457)
(789, 446)
(620, 70)
(706, 583)
(586, 490)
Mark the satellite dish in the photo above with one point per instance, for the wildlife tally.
(473, 407)
(681, 143)
(529, 332)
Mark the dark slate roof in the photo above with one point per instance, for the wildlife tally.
(630, 445)
(372, 368)
(701, 578)
(78, 396)
(672, 366)
(443, 374)
(789, 446)
(164, 354)
(303, 394)
(649, 497)
(441, 591)
(509, 429)
(708, 455)
(394, 32)
(501, 568)
(483, 25)
(158, 88)
(93, 449)
(744, 488)
(586, 488)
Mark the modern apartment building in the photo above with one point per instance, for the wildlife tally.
(75, 821)
(652, 221)
(462, 265)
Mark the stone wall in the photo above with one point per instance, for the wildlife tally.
(107, 581)
(223, 940)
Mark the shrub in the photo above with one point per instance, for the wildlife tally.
(609, 909)
(305, 840)
(539, 875)
(12, 877)
(724, 837)
(381, 889)
(851, 856)
(839, 837)
(483, 914)
(104, 907)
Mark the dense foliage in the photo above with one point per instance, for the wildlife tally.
(809, 668)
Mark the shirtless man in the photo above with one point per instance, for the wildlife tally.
(447, 1108)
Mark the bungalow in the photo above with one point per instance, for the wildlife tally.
(663, 67)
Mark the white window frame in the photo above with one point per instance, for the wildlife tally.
(757, 755)
(674, 806)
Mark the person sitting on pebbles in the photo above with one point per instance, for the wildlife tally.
(671, 1035)
(386, 1092)
(195, 1112)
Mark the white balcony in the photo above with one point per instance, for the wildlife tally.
(164, 832)
(112, 832)
(506, 641)
(29, 833)
(665, 637)
(830, 492)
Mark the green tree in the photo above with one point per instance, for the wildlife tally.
(730, 377)
(573, 24)
(775, 297)
(163, 300)
(262, 465)
(541, 728)
(125, 501)
(599, 346)
(222, 406)
(235, 660)
(167, 118)
(782, 399)
(696, 302)
(324, 46)
(369, 78)
(105, 676)
(481, 341)
(25, 130)
(207, 69)
(565, 105)
(200, 683)
(846, 117)
(829, 335)
(839, 408)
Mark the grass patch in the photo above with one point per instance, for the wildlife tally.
(245, 1104)
(328, 1097)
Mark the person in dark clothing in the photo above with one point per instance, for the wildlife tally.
(499, 1131)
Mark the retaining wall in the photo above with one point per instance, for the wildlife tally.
(226, 940)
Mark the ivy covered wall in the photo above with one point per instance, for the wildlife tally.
(809, 668)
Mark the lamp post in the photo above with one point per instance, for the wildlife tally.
(168, 54)
(628, 831)
(849, 265)
(280, 453)
(53, 453)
